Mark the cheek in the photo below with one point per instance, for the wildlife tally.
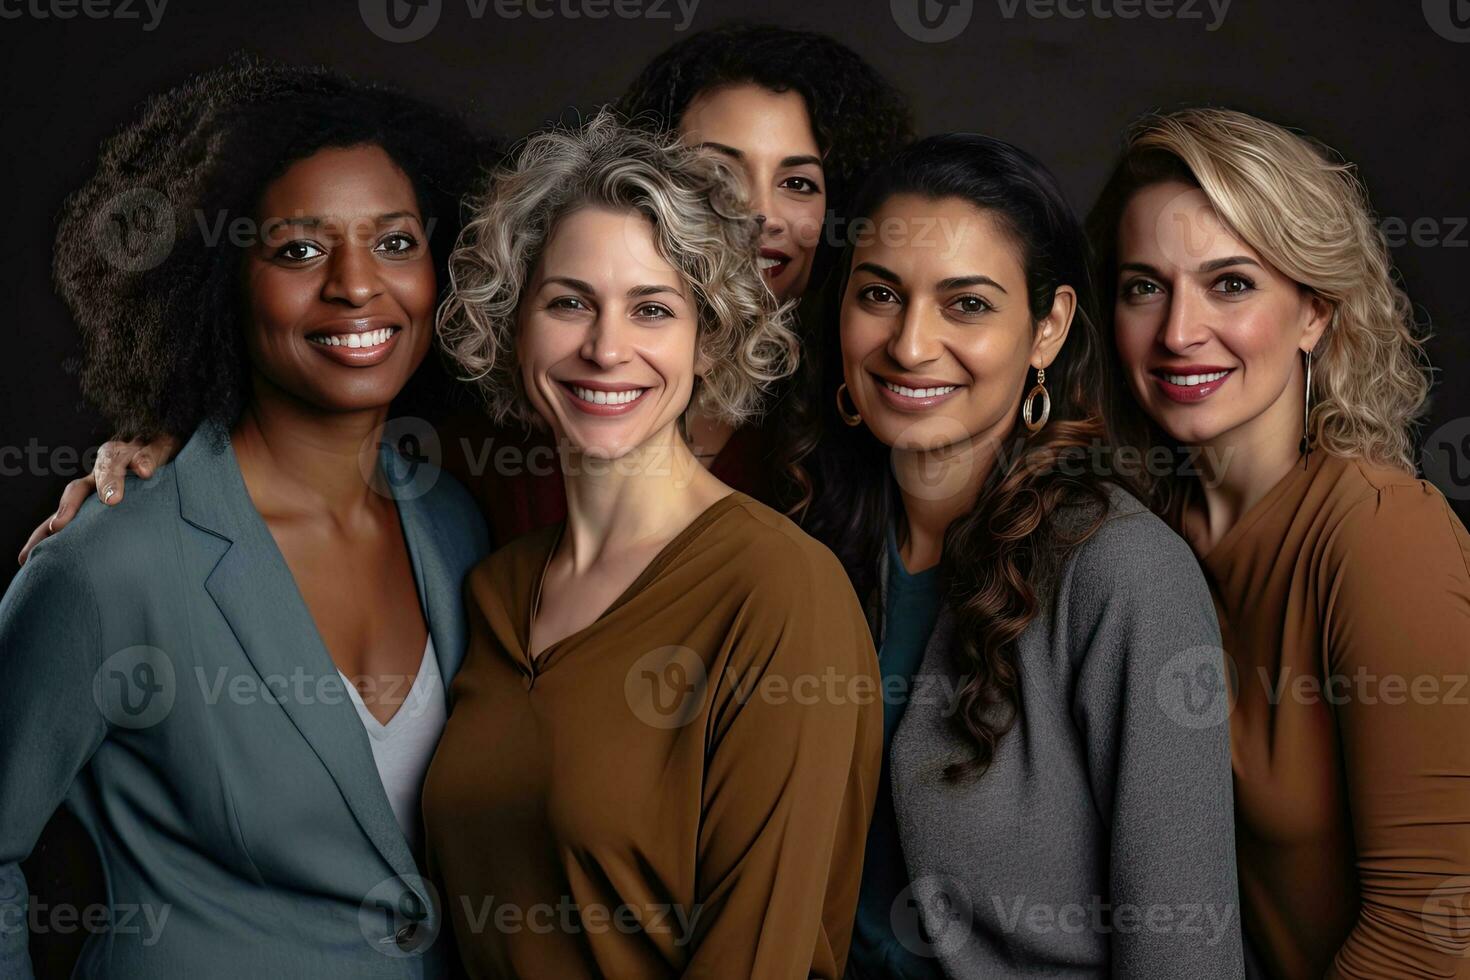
(414, 288)
(1133, 333)
(805, 219)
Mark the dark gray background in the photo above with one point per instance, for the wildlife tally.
(1384, 82)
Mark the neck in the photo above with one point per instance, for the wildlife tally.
(646, 496)
(296, 458)
(1239, 467)
(938, 486)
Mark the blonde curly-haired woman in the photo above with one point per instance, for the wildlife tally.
(1259, 325)
(664, 747)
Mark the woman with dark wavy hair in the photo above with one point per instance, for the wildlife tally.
(1049, 805)
(236, 680)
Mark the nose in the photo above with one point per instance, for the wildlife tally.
(763, 203)
(914, 343)
(1184, 326)
(352, 276)
(607, 343)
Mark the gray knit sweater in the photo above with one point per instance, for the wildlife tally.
(1101, 840)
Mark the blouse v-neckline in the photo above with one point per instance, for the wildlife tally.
(656, 564)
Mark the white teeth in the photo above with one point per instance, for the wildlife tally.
(1190, 380)
(371, 338)
(599, 397)
(767, 263)
(919, 392)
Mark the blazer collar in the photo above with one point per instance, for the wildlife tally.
(257, 595)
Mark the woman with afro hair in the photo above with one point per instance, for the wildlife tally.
(237, 681)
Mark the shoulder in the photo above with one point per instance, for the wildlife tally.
(1131, 547)
(771, 554)
(1382, 522)
(118, 540)
(453, 512)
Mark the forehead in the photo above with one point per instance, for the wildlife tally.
(608, 246)
(939, 238)
(1174, 224)
(341, 182)
(750, 118)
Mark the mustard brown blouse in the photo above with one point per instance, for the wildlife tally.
(1344, 598)
(683, 788)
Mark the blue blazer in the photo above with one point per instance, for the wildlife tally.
(164, 678)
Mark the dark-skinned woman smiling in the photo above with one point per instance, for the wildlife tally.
(178, 674)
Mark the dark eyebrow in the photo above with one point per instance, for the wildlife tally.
(576, 284)
(1214, 264)
(880, 272)
(315, 221)
(1142, 267)
(729, 151)
(652, 289)
(804, 160)
(960, 282)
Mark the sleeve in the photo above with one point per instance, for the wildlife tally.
(1152, 705)
(50, 636)
(792, 767)
(1397, 643)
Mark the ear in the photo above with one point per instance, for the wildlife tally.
(702, 364)
(1319, 314)
(1051, 330)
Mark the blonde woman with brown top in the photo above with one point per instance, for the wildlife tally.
(1260, 328)
(664, 744)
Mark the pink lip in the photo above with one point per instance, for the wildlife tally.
(1190, 394)
(592, 408)
(357, 356)
(903, 403)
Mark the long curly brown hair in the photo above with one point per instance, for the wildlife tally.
(1048, 491)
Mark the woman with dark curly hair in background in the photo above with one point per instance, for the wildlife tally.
(1042, 810)
(236, 682)
(803, 118)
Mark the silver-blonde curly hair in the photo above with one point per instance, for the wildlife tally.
(702, 227)
(1305, 210)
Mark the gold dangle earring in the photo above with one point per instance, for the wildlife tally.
(1027, 403)
(851, 419)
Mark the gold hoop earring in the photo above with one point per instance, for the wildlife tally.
(854, 418)
(1026, 404)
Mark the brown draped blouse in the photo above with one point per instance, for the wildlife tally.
(682, 788)
(1344, 598)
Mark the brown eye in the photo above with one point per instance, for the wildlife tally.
(972, 304)
(878, 294)
(397, 243)
(299, 251)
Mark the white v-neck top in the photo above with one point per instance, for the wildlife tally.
(403, 747)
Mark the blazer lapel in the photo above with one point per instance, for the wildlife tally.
(255, 592)
(438, 583)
